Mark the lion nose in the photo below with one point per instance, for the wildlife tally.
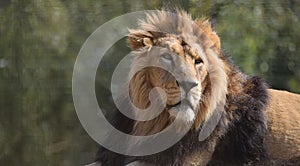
(186, 85)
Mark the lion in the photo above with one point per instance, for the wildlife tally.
(201, 80)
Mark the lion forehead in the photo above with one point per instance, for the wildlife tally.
(179, 46)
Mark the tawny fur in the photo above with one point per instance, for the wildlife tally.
(283, 136)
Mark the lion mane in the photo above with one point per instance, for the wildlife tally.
(217, 85)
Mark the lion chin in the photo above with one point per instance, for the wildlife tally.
(184, 111)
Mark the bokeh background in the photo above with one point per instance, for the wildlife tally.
(40, 39)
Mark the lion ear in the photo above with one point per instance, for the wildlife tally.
(205, 25)
(139, 38)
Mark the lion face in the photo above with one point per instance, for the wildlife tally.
(184, 62)
(178, 69)
(181, 79)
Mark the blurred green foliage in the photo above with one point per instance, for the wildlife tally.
(39, 42)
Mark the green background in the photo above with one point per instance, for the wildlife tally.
(40, 39)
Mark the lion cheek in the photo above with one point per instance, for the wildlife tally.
(172, 100)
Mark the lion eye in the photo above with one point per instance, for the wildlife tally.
(198, 61)
(167, 57)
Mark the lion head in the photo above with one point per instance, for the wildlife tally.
(193, 74)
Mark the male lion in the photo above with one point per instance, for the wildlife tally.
(200, 81)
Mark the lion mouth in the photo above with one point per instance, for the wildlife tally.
(174, 105)
(182, 102)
